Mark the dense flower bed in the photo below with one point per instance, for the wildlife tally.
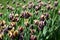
(29, 19)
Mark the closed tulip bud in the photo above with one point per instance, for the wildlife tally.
(11, 15)
(10, 8)
(59, 12)
(3, 23)
(12, 30)
(0, 23)
(30, 5)
(15, 33)
(24, 7)
(42, 17)
(56, 3)
(48, 7)
(21, 29)
(16, 15)
(13, 19)
(10, 34)
(16, 19)
(41, 3)
(38, 1)
(9, 28)
(32, 37)
(41, 25)
(25, 15)
(26, 22)
(1, 35)
(37, 7)
(1, 14)
(36, 22)
(13, 24)
(46, 16)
